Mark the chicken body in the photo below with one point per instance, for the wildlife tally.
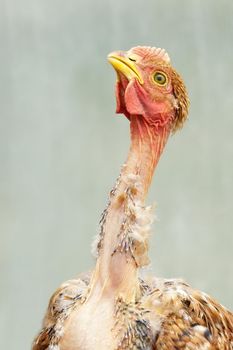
(113, 308)
(167, 314)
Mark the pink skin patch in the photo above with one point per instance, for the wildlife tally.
(133, 100)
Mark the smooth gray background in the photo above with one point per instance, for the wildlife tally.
(62, 147)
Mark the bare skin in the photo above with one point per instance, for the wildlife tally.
(113, 308)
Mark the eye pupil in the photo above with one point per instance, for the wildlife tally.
(160, 78)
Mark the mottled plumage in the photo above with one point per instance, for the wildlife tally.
(113, 308)
(182, 318)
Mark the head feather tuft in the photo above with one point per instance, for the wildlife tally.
(182, 100)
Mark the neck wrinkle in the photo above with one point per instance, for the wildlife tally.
(147, 144)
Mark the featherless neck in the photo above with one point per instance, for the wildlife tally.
(125, 224)
(147, 144)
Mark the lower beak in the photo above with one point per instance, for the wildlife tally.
(124, 65)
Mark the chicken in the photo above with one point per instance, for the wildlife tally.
(113, 308)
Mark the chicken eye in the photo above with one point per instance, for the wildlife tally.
(160, 78)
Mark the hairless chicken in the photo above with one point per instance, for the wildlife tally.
(113, 308)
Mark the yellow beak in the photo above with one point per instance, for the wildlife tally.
(125, 66)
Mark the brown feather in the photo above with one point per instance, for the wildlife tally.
(181, 95)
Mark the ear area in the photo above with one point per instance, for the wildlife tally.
(182, 99)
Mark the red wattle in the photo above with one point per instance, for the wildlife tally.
(120, 99)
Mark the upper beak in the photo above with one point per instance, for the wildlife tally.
(122, 64)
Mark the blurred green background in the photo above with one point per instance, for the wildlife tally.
(62, 146)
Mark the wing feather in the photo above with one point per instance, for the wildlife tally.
(60, 305)
(190, 319)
